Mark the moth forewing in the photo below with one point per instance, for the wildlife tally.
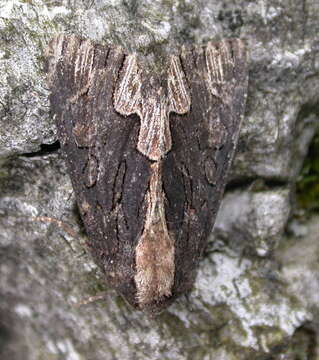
(148, 156)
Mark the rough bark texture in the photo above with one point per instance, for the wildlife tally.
(256, 292)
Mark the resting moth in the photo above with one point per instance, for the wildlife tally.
(148, 154)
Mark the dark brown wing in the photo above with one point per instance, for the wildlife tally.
(109, 176)
(204, 141)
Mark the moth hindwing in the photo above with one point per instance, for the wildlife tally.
(148, 156)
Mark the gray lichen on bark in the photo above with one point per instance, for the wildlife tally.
(254, 287)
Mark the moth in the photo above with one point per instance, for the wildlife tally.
(148, 154)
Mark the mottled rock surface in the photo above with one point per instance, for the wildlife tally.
(257, 290)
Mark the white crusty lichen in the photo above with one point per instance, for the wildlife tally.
(265, 313)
